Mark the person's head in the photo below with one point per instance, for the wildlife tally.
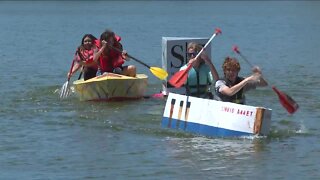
(88, 41)
(231, 68)
(192, 50)
(108, 36)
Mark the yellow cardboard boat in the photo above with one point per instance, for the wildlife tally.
(110, 86)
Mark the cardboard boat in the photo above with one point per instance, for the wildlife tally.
(110, 86)
(215, 118)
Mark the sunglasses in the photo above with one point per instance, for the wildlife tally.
(192, 54)
(230, 69)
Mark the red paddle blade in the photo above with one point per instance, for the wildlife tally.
(286, 101)
(180, 77)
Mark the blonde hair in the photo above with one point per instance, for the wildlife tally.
(197, 48)
(192, 45)
(231, 63)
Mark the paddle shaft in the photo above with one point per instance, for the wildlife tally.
(131, 57)
(158, 72)
(81, 58)
(214, 35)
(80, 74)
(70, 70)
(244, 58)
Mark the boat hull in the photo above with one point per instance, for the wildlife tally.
(110, 86)
(215, 118)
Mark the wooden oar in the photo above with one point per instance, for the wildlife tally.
(158, 72)
(286, 101)
(180, 77)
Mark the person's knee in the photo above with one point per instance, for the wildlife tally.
(132, 70)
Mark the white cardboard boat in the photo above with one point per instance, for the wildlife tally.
(110, 86)
(215, 118)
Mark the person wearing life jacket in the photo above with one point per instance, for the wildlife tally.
(111, 60)
(200, 76)
(232, 88)
(84, 57)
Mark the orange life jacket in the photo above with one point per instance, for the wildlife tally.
(113, 59)
(87, 56)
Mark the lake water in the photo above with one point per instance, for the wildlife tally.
(43, 137)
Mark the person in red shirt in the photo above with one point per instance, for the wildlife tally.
(111, 60)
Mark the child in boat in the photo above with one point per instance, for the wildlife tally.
(232, 87)
(111, 55)
(201, 75)
(84, 57)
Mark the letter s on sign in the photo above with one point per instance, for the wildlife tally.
(177, 56)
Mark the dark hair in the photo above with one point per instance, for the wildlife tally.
(92, 37)
(106, 34)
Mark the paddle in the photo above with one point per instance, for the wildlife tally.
(286, 101)
(158, 72)
(180, 77)
(79, 77)
(65, 89)
(82, 59)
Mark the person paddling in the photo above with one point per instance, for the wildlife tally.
(201, 75)
(232, 88)
(111, 60)
(84, 57)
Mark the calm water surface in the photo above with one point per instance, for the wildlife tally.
(43, 137)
